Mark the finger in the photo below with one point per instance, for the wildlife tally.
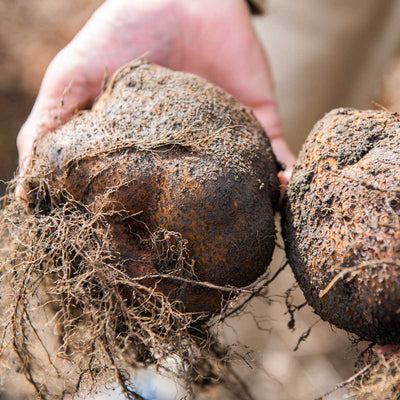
(279, 146)
(287, 158)
(233, 58)
(118, 32)
(62, 93)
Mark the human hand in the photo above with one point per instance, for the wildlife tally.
(212, 39)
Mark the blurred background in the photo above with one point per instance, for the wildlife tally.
(323, 55)
(31, 34)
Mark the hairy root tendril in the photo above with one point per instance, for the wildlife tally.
(73, 318)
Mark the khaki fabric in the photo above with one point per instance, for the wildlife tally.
(326, 54)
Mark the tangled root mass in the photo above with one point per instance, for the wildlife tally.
(70, 324)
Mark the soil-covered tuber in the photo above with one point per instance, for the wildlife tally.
(176, 154)
(341, 222)
(143, 217)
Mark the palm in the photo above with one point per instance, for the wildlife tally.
(180, 34)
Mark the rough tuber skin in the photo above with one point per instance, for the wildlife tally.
(177, 154)
(341, 222)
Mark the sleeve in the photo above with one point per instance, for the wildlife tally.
(257, 7)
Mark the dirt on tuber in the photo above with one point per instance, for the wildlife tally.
(341, 222)
(144, 216)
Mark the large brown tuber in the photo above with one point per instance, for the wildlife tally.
(144, 217)
(179, 155)
(341, 222)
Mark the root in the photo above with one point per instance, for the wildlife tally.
(185, 138)
(377, 377)
(351, 272)
(73, 319)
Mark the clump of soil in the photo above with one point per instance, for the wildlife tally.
(341, 222)
(143, 218)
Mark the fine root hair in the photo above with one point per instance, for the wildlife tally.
(73, 319)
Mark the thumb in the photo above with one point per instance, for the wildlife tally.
(63, 91)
